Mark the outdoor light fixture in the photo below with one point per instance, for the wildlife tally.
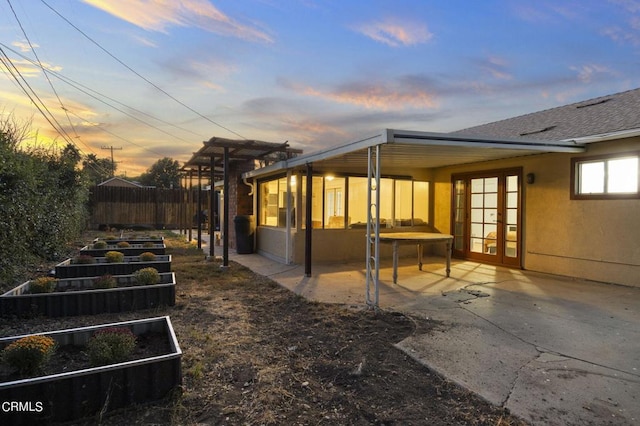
(531, 178)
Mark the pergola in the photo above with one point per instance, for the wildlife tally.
(216, 158)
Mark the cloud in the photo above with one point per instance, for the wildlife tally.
(495, 66)
(589, 72)
(158, 15)
(24, 46)
(629, 33)
(395, 32)
(405, 92)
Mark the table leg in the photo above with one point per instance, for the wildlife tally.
(420, 256)
(449, 247)
(395, 261)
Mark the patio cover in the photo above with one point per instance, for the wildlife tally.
(397, 149)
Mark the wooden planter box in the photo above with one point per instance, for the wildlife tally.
(78, 394)
(82, 299)
(133, 250)
(131, 264)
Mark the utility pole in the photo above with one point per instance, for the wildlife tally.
(113, 163)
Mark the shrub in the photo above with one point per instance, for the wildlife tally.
(147, 256)
(110, 237)
(147, 276)
(100, 245)
(105, 281)
(29, 354)
(114, 257)
(110, 346)
(83, 259)
(148, 244)
(123, 244)
(42, 285)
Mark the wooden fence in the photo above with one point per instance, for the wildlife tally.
(145, 207)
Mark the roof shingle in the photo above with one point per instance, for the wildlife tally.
(606, 114)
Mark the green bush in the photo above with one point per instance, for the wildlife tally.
(114, 257)
(29, 354)
(147, 256)
(42, 285)
(43, 200)
(83, 259)
(123, 244)
(148, 244)
(111, 346)
(147, 276)
(105, 281)
(100, 245)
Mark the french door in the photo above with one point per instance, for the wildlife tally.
(486, 210)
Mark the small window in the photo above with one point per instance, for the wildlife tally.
(607, 177)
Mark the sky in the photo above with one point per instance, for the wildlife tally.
(154, 78)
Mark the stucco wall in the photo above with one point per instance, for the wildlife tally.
(592, 239)
(340, 245)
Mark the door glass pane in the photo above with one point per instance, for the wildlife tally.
(490, 215)
(511, 225)
(491, 184)
(477, 185)
(477, 200)
(491, 200)
(476, 215)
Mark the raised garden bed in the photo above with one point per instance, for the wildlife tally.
(132, 240)
(67, 269)
(135, 249)
(65, 396)
(76, 296)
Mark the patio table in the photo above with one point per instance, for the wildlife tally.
(418, 238)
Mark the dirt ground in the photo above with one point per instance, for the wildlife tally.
(255, 353)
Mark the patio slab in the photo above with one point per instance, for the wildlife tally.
(553, 350)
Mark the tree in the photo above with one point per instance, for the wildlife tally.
(164, 173)
(96, 169)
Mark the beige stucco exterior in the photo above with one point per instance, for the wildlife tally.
(590, 239)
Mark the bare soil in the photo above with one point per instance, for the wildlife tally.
(256, 353)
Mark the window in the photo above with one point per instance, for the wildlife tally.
(606, 177)
(273, 203)
(339, 202)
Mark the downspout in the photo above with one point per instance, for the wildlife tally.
(250, 185)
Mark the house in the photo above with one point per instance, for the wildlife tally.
(556, 191)
(121, 183)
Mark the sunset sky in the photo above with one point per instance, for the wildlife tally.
(156, 78)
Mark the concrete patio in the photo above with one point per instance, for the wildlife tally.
(553, 350)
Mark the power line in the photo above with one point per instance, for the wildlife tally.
(84, 89)
(140, 75)
(41, 66)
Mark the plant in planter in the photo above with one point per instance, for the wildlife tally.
(123, 244)
(84, 259)
(147, 257)
(29, 354)
(114, 257)
(148, 244)
(147, 276)
(111, 346)
(100, 245)
(42, 285)
(71, 391)
(105, 281)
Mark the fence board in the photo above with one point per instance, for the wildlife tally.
(143, 207)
